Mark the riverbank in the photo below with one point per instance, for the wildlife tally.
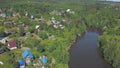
(84, 53)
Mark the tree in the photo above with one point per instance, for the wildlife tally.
(21, 30)
(2, 33)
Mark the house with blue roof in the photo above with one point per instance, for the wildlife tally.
(27, 56)
(22, 64)
(4, 15)
(44, 59)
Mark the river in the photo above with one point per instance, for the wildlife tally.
(84, 53)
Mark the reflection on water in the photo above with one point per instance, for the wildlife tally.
(84, 53)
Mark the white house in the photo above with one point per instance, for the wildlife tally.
(3, 40)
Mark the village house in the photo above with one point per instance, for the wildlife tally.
(25, 25)
(27, 56)
(27, 33)
(37, 27)
(49, 22)
(69, 11)
(3, 14)
(12, 45)
(56, 24)
(53, 20)
(3, 40)
(7, 22)
(32, 17)
(22, 64)
(43, 19)
(26, 13)
(15, 14)
(55, 12)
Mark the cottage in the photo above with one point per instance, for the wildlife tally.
(27, 53)
(28, 56)
(4, 15)
(22, 64)
(32, 16)
(1, 63)
(49, 22)
(43, 19)
(58, 25)
(53, 12)
(3, 40)
(37, 27)
(44, 59)
(12, 45)
(69, 11)
(27, 33)
(53, 20)
(7, 22)
(26, 13)
(14, 14)
(25, 25)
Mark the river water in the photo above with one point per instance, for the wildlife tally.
(84, 53)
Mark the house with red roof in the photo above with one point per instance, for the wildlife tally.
(12, 45)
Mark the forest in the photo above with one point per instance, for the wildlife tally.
(50, 28)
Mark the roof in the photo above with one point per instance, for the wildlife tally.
(4, 15)
(7, 22)
(44, 59)
(32, 16)
(27, 53)
(21, 62)
(12, 44)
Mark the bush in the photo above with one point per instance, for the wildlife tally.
(40, 48)
(43, 35)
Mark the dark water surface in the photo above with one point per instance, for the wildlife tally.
(84, 53)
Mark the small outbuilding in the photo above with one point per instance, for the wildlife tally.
(12, 45)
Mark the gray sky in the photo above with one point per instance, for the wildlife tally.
(114, 0)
